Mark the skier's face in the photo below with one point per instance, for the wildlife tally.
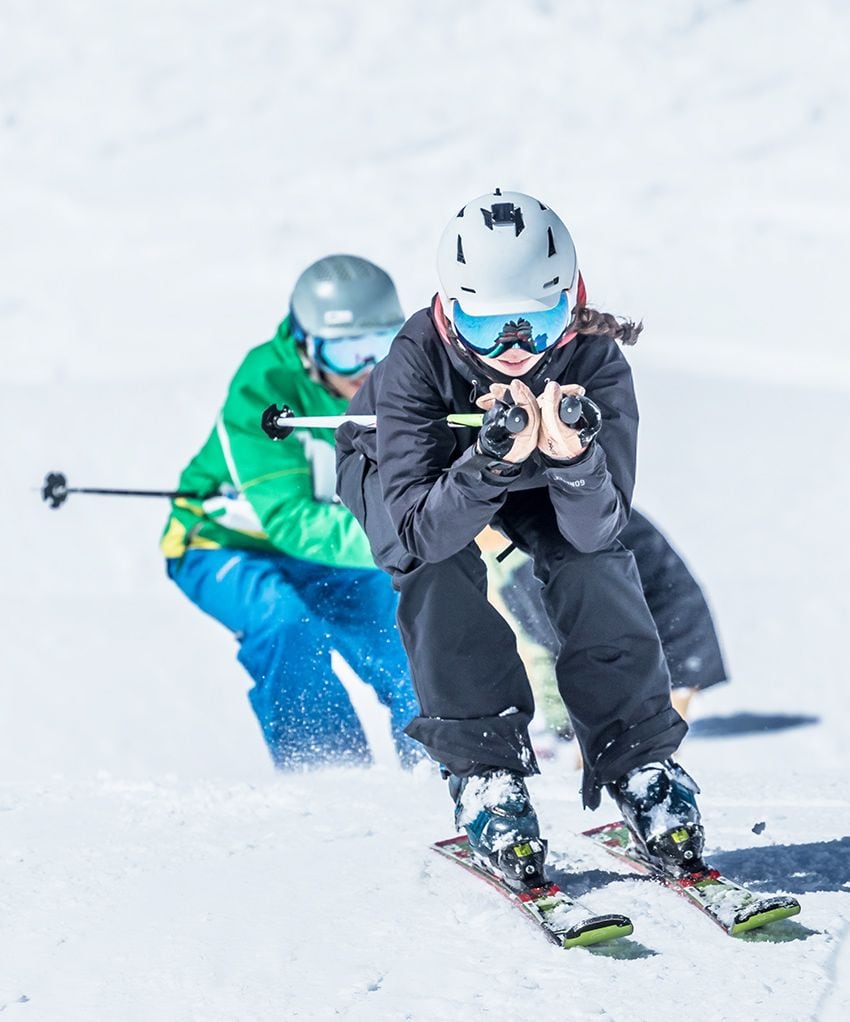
(347, 386)
(513, 362)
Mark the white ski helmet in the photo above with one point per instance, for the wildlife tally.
(506, 253)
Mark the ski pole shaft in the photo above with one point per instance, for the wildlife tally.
(278, 423)
(131, 493)
(55, 491)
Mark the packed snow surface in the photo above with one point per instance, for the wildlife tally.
(166, 170)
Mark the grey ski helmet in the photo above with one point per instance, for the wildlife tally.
(345, 296)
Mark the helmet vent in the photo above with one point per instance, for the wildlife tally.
(504, 214)
(552, 282)
(470, 290)
(552, 249)
(460, 256)
(540, 204)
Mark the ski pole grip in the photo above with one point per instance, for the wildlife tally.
(500, 424)
(582, 415)
(516, 420)
(508, 416)
(570, 409)
(272, 422)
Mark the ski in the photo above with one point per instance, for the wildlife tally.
(563, 920)
(731, 906)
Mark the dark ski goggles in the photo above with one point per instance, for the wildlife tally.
(349, 356)
(534, 332)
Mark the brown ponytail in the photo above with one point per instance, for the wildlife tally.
(603, 324)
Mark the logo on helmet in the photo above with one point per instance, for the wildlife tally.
(338, 317)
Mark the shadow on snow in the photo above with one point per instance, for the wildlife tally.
(791, 869)
(797, 869)
(736, 724)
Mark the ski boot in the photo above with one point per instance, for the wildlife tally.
(658, 805)
(495, 811)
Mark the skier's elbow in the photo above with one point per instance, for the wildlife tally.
(597, 535)
(430, 550)
(589, 544)
(425, 542)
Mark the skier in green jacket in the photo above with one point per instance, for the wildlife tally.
(271, 553)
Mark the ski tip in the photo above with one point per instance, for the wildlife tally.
(598, 930)
(764, 913)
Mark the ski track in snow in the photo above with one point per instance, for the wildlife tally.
(165, 175)
(835, 1004)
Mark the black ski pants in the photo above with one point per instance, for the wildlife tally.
(474, 694)
(673, 595)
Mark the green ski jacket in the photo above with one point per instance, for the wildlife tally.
(262, 494)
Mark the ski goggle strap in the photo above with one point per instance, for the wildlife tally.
(348, 356)
(534, 332)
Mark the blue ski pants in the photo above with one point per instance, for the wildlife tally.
(287, 615)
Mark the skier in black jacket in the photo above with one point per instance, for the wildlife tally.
(509, 330)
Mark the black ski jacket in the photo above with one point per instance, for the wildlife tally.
(438, 492)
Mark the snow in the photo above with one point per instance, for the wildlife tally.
(166, 170)
(496, 789)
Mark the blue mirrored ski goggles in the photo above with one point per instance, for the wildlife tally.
(534, 332)
(349, 356)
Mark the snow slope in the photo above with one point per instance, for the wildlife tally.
(166, 169)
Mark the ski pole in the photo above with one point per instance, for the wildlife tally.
(55, 491)
(278, 423)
